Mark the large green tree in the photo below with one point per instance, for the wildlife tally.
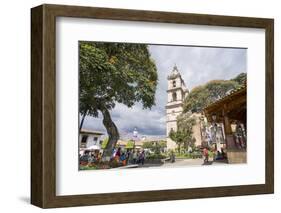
(203, 95)
(241, 78)
(155, 147)
(178, 137)
(184, 134)
(113, 73)
(185, 123)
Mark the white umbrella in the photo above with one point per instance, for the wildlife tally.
(93, 147)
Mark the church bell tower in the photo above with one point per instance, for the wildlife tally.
(176, 93)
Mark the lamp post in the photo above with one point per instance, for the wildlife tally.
(135, 136)
(214, 118)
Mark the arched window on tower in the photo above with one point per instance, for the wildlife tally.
(174, 96)
(174, 83)
(171, 130)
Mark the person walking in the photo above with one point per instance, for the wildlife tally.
(130, 158)
(134, 157)
(206, 155)
(141, 158)
(138, 157)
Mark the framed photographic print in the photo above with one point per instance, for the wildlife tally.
(136, 106)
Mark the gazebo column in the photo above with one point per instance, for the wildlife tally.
(234, 155)
(230, 143)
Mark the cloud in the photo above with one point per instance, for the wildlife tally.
(147, 122)
(197, 66)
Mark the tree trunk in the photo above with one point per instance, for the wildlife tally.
(179, 148)
(82, 121)
(113, 134)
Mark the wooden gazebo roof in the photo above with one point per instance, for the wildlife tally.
(233, 104)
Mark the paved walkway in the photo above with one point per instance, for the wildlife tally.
(184, 162)
(177, 163)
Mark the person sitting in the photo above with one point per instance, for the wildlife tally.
(223, 154)
(218, 156)
(123, 159)
(118, 154)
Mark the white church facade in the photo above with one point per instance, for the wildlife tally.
(177, 92)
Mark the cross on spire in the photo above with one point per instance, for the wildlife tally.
(175, 69)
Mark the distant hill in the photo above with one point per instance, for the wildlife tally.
(129, 136)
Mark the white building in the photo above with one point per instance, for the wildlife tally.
(90, 139)
(176, 92)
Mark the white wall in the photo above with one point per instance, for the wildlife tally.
(92, 142)
(15, 104)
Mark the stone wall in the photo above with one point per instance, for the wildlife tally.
(197, 129)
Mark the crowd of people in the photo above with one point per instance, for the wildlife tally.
(91, 157)
(128, 156)
(123, 157)
(131, 156)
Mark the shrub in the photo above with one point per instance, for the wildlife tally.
(156, 156)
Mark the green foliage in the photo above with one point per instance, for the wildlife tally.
(115, 72)
(183, 135)
(87, 167)
(148, 145)
(203, 95)
(185, 123)
(178, 137)
(111, 73)
(156, 156)
(155, 147)
(192, 155)
(130, 144)
(241, 78)
(104, 143)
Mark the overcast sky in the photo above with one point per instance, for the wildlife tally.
(197, 66)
